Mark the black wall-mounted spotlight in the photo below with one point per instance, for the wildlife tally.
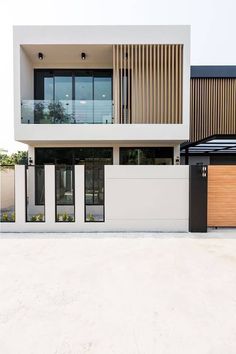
(30, 161)
(40, 56)
(83, 56)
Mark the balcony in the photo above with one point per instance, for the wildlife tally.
(67, 112)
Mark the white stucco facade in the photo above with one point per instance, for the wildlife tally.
(41, 36)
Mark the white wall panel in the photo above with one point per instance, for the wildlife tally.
(147, 197)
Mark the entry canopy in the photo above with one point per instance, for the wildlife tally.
(212, 145)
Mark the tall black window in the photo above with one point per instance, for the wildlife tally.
(65, 200)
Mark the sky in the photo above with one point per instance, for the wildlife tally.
(213, 32)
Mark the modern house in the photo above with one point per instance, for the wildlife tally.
(212, 117)
(212, 146)
(96, 105)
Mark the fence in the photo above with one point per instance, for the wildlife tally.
(135, 198)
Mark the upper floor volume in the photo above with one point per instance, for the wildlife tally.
(101, 83)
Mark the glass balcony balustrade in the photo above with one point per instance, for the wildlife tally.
(67, 112)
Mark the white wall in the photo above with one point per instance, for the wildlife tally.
(7, 177)
(146, 198)
(26, 77)
(100, 35)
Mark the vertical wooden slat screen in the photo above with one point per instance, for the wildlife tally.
(212, 107)
(148, 83)
(221, 196)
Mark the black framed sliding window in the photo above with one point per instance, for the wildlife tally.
(60, 84)
(73, 96)
(146, 156)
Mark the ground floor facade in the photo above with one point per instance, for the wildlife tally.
(93, 158)
(115, 188)
(98, 188)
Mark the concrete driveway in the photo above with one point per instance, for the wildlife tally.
(121, 294)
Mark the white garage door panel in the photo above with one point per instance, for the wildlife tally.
(147, 198)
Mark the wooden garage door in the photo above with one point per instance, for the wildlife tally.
(222, 196)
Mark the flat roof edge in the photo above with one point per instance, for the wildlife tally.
(213, 71)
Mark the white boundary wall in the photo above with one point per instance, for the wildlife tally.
(147, 198)
(137, 198)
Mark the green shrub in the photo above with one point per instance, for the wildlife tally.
(40, 217)
(90, 217)
(37, 218)
(65, 217)
(33, 218)
(5, 217)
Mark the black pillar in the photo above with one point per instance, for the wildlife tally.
(197, 198)
(186, 156)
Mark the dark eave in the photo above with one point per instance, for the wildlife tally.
(215, 144)
(228, 71)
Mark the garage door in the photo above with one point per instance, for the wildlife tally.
(222, 196)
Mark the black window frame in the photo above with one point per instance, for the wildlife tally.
(88, 152)
(73, 186)
(26, 194)
(166, 150)
(40, 74)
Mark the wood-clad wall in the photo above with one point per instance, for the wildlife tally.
(221, 196)
(212, 107)
(151, 76)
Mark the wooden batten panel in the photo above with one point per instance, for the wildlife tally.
(154, 84)
(150, 79)
(148, 83)
(121, 118)
(158, 115)
(221, 196)
(169, 86)
(146, 114)
(176, 83)
(132, 83)
(130, 68)
(212, 107)
(143, 83)
(165, 86)
(161, 88)
(116, 103)
(181, 85)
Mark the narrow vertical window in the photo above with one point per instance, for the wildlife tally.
(65, 201)
(35, 191)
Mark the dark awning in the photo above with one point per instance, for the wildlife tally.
(213, 145)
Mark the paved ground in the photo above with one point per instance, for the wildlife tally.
(120, 294)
